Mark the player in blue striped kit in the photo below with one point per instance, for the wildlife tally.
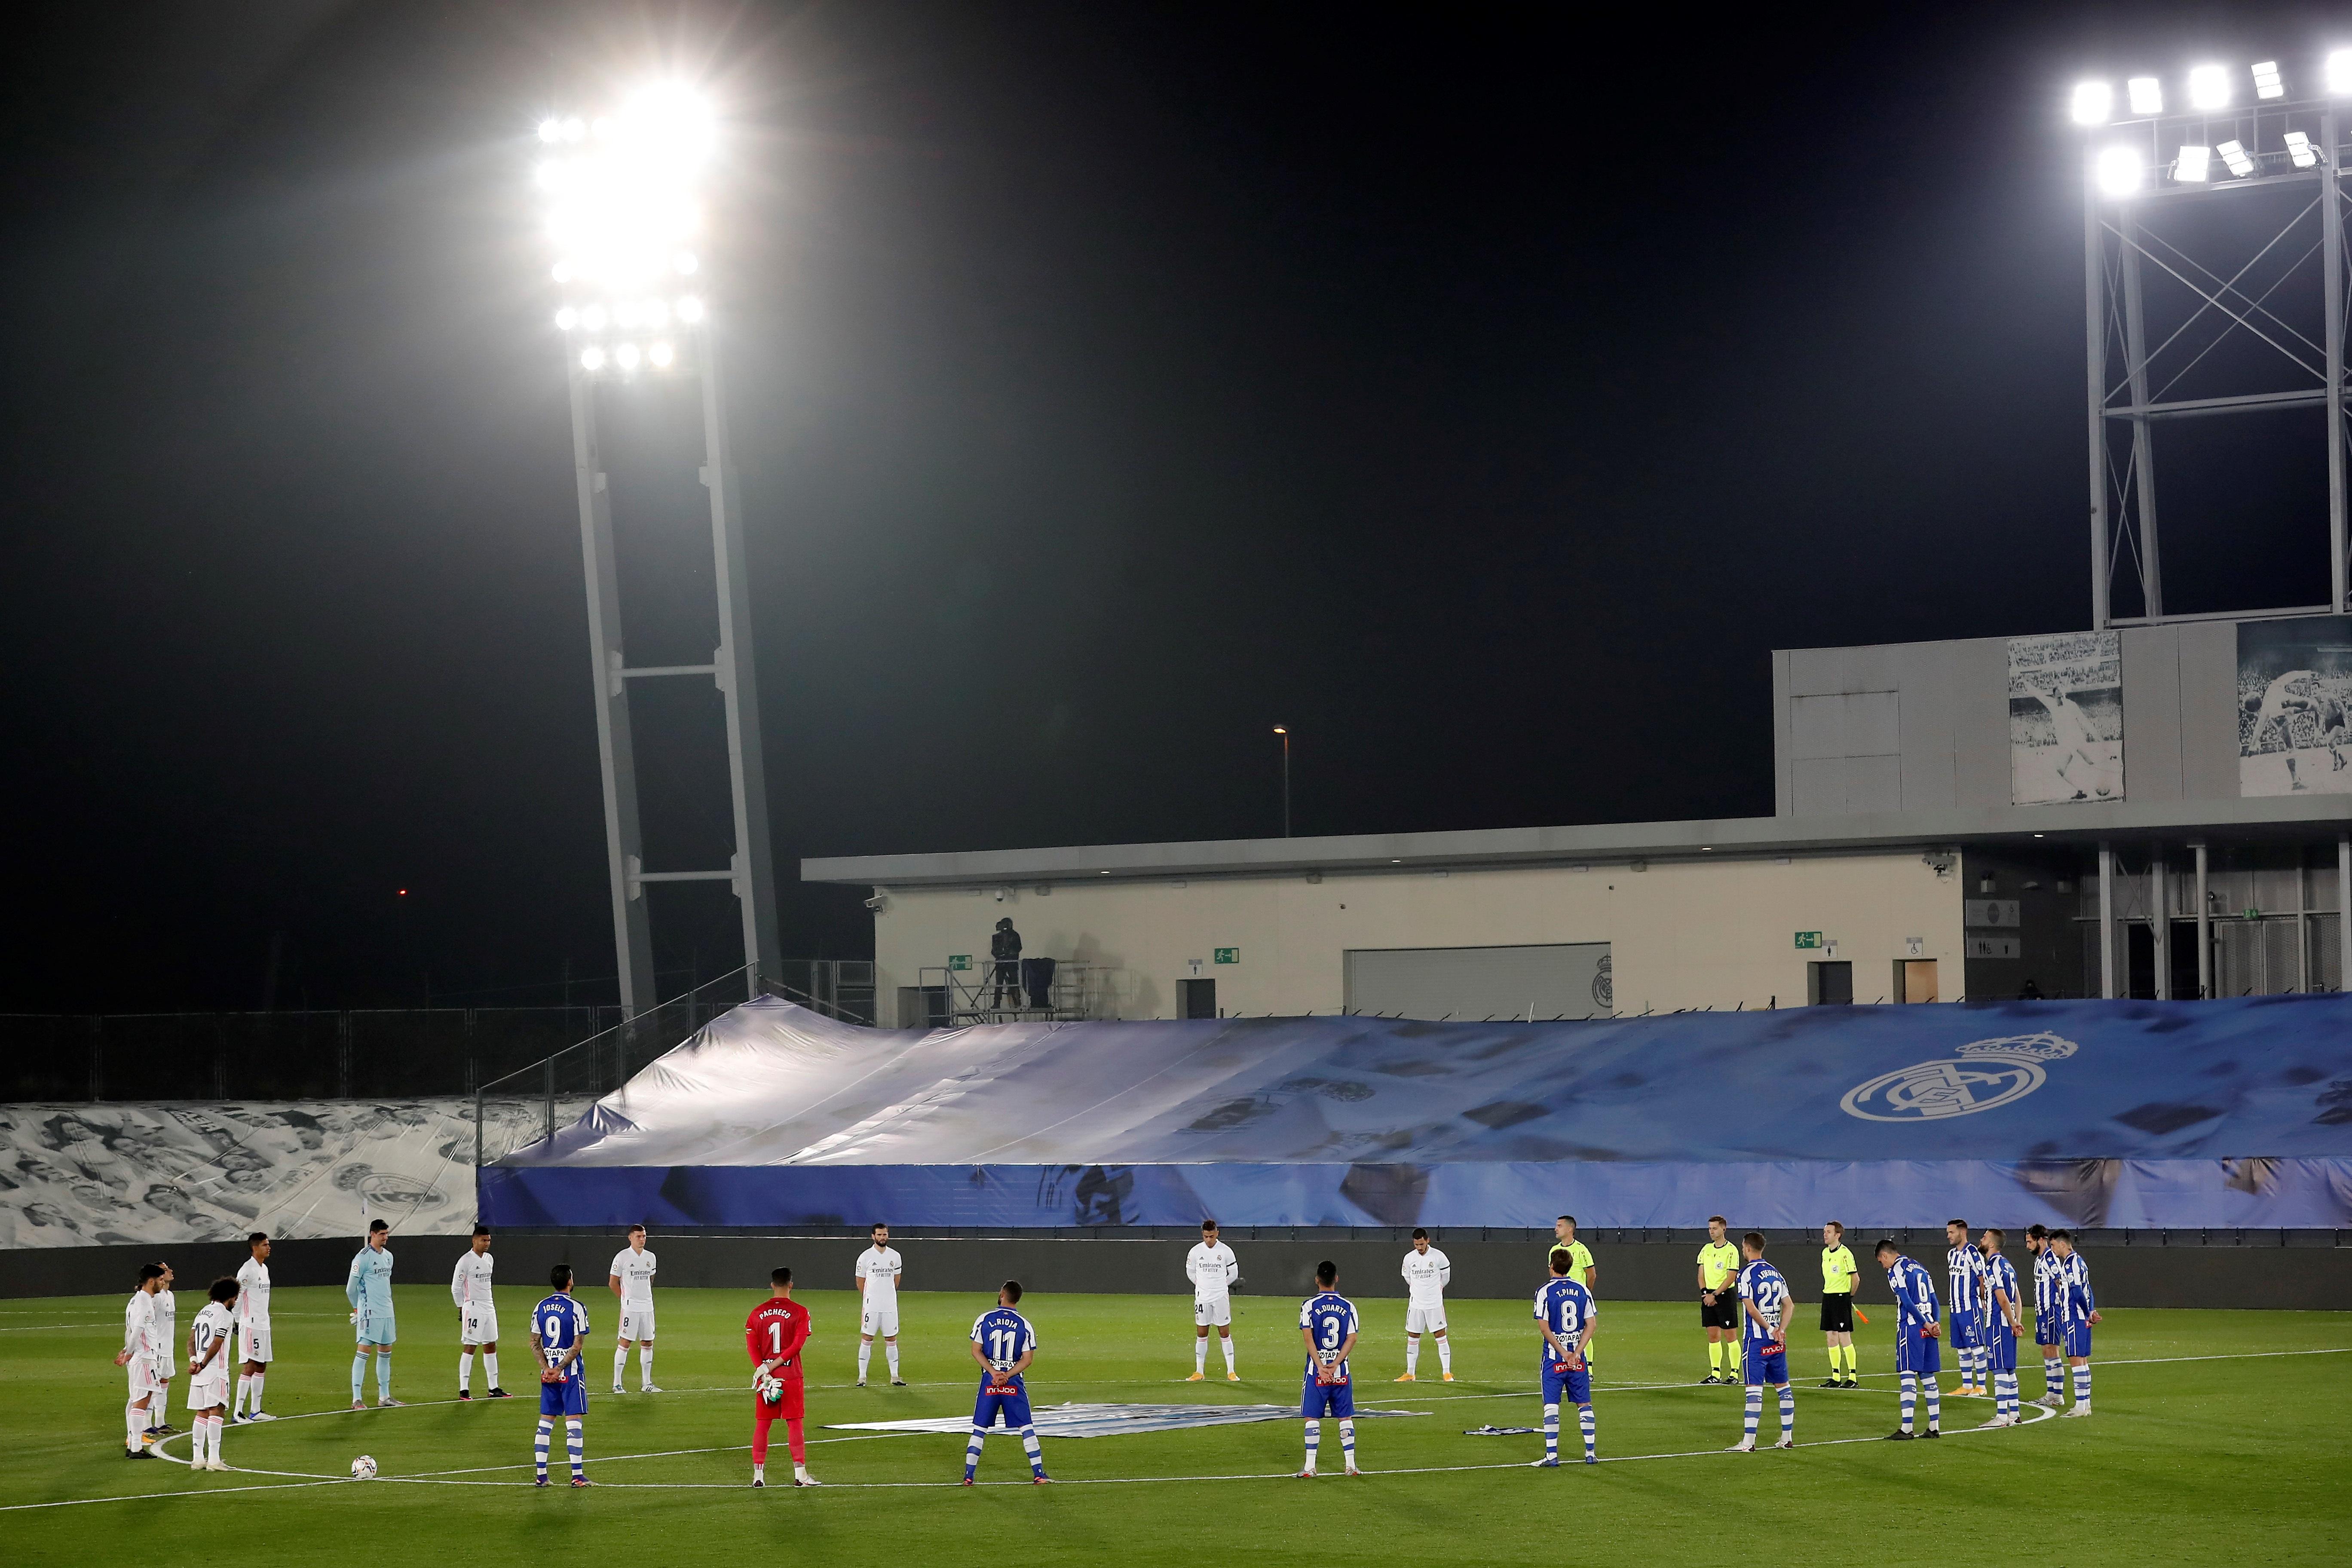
(559, 1333)
(1326, 1323)
(2001, 1328)
(2077, 1310)
(1565, 1310)
(2045, 1316)
(1964, 1277)
(1764, 1343)
(369, 1290)
(1916, 1332)
(1004, 1344)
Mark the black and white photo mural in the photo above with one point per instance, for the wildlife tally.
(2065, 718)
(2295, 706)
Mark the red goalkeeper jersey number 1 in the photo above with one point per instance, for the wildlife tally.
(777, 1329)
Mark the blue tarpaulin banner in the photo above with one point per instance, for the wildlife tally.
(2232, 1112)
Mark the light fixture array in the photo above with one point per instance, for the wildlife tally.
(2208, 90)
(622, 206)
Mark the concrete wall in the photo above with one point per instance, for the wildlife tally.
(1922, 726)
(1681, 934)
(2309, 1277)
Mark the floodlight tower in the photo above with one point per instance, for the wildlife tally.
(622, 195)
(2206, 136)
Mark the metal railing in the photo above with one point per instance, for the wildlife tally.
(976, 995)
(298, 1054)
(587, 1070)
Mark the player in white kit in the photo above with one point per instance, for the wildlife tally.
(167, 1336)
(252, 1313)
(1427, 1272)
(208, 1364)
(139, 1359)
(477, 1316)
(1213, 1268)
(880, 1272)
(633, 1281)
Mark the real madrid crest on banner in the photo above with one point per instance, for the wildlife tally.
(1979, 1076)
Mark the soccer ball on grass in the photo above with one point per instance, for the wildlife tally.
(363, 1468)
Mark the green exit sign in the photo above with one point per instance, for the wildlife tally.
(1809, 939)
(1229, 956)
(958, 961)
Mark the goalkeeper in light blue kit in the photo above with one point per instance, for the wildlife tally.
(369, 1290)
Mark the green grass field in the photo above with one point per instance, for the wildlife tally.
(2217, 1438)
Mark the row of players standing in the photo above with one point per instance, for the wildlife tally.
(235, 1310)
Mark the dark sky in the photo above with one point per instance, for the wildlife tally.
(1483, 395)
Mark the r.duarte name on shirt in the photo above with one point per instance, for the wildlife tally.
(1979, 1076)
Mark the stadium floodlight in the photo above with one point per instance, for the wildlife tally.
(566, 319)
(2268, 83)
(550, 131)
(2236, 159)
(2120, 170)
(626, 357)
(2146, 95)
(2339, 72)
(2195, 164)
(591, 358)
(661, 355)
(2299, 149)
(2094, 103)
(690, 308)
(2209, 87)
(592, 317)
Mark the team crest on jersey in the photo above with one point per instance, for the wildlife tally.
(1979, 1076)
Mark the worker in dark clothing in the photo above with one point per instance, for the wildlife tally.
(1005, 949)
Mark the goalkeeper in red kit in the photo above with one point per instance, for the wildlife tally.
(773, 1334)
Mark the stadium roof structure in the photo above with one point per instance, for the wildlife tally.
(2285, 817)
(2219, 1113)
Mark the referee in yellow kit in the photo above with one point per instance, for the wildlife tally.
(1579, 1267)
(1837, 1306)
(1718, 1303)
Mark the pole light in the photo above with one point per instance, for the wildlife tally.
(2159, 157)
(2120, 170)
(622, 199)
(2209, 87)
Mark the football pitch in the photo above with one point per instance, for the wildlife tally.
(2217, 1436)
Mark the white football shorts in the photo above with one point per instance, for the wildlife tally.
(141, 1373)
(210, 1389)
(879, 1321)
(1212, 1313)
(253, 1343)
(1425, 1319)
(478, 1326)
(637, 1323)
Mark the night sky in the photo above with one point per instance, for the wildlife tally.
(1483, 395)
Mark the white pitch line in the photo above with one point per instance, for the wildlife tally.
(303, 1479)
